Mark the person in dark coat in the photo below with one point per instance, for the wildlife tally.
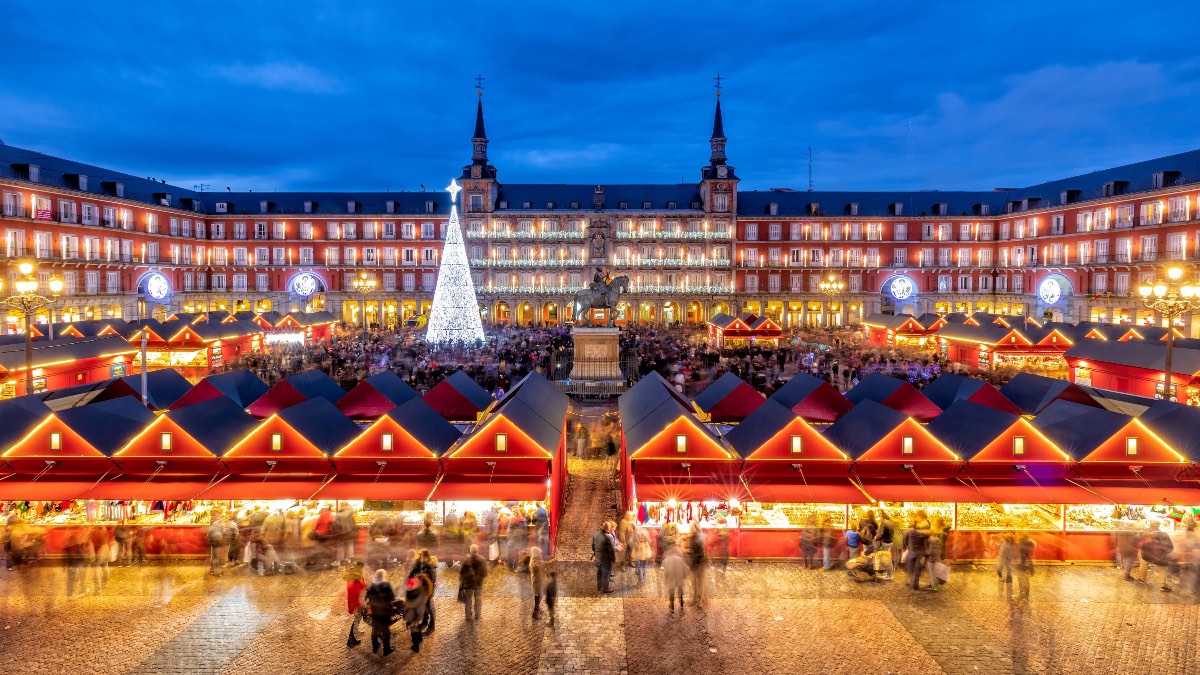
(914, 550)
(605, 554)
(426, 565)
(418, 591)
(381, 598)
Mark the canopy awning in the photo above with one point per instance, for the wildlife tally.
(927, 491)
(650, 490)
(43, 490)
(509, 490)
(262, 489)
(840, 492)
(138, 489)
(1149, 496)
(387, 489)
(1043, 494)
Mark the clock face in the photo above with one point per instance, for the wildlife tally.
(1049, 291)
(722, 171)
(304, 285)
(157, 286)
(901, 288)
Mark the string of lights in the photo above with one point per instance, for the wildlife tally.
(454, 316)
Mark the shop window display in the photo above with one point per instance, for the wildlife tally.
(1046, 517)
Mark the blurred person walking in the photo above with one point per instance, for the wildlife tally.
(605, 554)
(381, 598)
(470, 583)
(674, 571)
(356, 585)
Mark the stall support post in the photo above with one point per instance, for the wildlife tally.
(145, 390)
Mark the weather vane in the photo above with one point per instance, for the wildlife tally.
(717, 86)
(479, 83)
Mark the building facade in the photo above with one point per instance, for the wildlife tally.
(1072, 249)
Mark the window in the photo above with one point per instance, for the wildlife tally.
(751, 231)
(385, 442)
(276, 442)
(1131, 446)
(775, 231)
(239, 230)
(165, 441)
(501, 442)
(1018, 446)
(680, 443)
(900, 232)
(797, 444)
(906, 445)
(55, 440)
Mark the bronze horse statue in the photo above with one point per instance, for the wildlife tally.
(599, 296)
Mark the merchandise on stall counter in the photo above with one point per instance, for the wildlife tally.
(1047, 517)
(709, 514)
(793, 515)
(1115, 517)
(900, 512)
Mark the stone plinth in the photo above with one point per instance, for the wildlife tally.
(597, 354)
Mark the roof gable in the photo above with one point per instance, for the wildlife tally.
(766, 435)
(108, 425)
(1148, 447)
(728, 399)
(1177, 424)
(967, 428)
(812, 398)
(217, 423)
(321, 423)
(20, 415)
(866, 424)
(1078, 429)
(894, 393)
(924, 445)
(315, 383)
(280, 397)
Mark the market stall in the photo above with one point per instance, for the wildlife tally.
(728, 399)
(812, 398)
(1136, 367)
(240, 386)
(458, 398)
(888, 330)
(375, 396)
(296, 389)
(894, 393)
(63, 363)
(949, 388)
(163, 388)
(1032, 393)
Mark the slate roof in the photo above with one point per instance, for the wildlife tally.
(217, 424)
(321, 423)
(165, 387)
(1078, 429)
(1031, 393)
(108, 425)
(392, 387)
(429, 428)
(928, 319)
(759, 427)
(948, 388)
(12, 357)
(720, 390)
(1147, 355)
(539, 409)
(315, 383)
(722, 320)
(540, 194)
(216, 331)
(20, 415)
(376, 395)
(470, 389)
(955, 317)
(650, 406)
(865, 425)
(818, 400)
(916, 204)
(879, 388)
(241, 386)
(1177, 424)
(1140, 176)
(966, 427)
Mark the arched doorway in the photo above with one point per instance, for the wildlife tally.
(646, 313)
(795, 314)
(503, 315)
(550, 314)
(752, 307)
(624, 311)
(775, 312)
(695, 312)
(718, 308)
(670, 313)
(525, 314)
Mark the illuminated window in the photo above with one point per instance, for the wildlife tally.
(1018, 446)
(681, 443)
(55, 440)
(165, 441)
(1131, 446)
(501, 442)
(386, 443)
(797, 444)
(906, 445)
(276, 442)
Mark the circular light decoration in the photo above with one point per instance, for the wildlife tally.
(1049, 291)
(901, 288)
(304, 284)
(157, 286)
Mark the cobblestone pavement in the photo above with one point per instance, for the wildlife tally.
(758, 618)
(593, 497)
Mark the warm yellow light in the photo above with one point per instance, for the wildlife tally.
(26, 268)
(1160, 290)
(1188, 291)
(26, 286)
(1174, 274)
(56, 285)
(1145, 291)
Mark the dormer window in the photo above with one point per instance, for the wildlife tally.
(527, 205)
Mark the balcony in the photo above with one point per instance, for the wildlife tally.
(678, 262)
(635, 289)
(1149, 256)
(685, 235)
(1176, 254)
(15, 211)
(557, 235)
(523, 262)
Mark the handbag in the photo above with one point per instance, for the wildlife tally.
(493, 551)
(904, 556)
(462, 594)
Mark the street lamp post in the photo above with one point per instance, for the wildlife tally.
(27, 300)
(1170, 298)
(831, 288)
(364, 284)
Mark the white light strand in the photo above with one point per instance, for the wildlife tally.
(454, 316)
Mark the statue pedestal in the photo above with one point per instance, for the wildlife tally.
(597, 354)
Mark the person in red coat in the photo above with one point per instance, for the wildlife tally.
(356, 584)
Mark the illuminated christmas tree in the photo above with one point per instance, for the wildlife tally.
(454, 316)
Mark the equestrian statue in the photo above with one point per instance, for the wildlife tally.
(602, 293)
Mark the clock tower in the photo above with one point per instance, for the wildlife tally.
(718, 183)
(479, 183)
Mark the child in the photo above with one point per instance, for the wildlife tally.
(551, 594)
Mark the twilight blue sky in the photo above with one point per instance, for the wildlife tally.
(296, 95)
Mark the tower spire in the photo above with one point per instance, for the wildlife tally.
(479, 139)
(718, 133)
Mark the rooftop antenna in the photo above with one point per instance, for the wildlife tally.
(810, 167)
